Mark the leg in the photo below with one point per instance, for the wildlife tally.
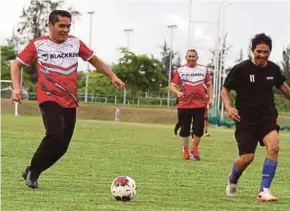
(206, 127)
(198, 128)
(206, 122)
(176, 128)
(247, 144)
(42, 158)
(53, 122)
(271, 141)
(69, 120)
(184, 118)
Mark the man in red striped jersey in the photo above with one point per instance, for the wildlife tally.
(192, 102)
(56, 58)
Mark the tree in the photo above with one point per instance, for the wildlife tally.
(285, 63)
(165, 59)
(33, 23)
(140, 72)
(34, 19)
(241, 56)
(98, 84)
(249, 52)
(221, 54)
(7, 54)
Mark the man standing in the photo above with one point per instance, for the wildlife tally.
(191, 103)
(255, 114)
(56, 57)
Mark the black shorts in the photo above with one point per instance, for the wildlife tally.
(249, 133)
(186, 116)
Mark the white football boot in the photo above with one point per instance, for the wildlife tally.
(232, 188)
(266, 196)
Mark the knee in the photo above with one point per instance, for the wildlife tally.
(184, 131)
(56, 135)
(63, 149)
(273, 149)
(247, 158)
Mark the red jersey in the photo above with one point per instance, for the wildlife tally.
(57, 68)
(192, 80)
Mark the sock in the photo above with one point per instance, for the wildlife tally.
(195, 149)
(235, 175)
(268, 173)
(184, 149)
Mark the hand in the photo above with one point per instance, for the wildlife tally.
(233, 114)
(118, 83)
(16, 95)
(179, 94)
(210, 103)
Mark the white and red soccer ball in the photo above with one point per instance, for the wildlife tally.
(123, 188)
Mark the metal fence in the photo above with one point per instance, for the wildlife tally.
(110, 99)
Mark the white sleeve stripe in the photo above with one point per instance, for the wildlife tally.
(22, 61)
(90, 57)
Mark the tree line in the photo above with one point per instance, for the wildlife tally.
(142, 73)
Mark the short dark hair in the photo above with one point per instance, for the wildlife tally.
(192, 50)
(261, 39)
(53, 16)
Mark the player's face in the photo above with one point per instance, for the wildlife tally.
(61, 28)
(191, 58)
(261, 54)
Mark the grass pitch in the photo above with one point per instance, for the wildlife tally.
(151, 154)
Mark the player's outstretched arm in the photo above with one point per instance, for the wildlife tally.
(176, 90)
(15, 73)
(286, 90)
(101, 66)
(232, 112)
(210, 94)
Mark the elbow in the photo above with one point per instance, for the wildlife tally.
(224, 92)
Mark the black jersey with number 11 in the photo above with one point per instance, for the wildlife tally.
(254, 87)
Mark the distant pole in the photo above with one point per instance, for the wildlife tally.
(88, 65)
(16, 109)
(221, 67)
(171, 27)
(127, 31)
(189, 25)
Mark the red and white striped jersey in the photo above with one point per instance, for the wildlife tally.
(56, 64)
(192, 81)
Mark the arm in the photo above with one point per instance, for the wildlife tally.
(100, 65)
(175, 82)
(225, 95)
(232, 112)
(15, 77)
(176, 90)
(286, 90)
(210, 94)
(87, 54)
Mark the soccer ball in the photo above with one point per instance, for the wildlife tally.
(123, 188)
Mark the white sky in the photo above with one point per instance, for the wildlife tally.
(149, 20)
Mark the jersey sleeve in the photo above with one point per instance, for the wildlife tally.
(231, 81)
(279, 78)
(175, 79)
(84, 52)
(207, 79)
(28, 55)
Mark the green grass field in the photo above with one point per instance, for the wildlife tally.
(151, 154)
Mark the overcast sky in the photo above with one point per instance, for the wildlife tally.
(149, 20)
